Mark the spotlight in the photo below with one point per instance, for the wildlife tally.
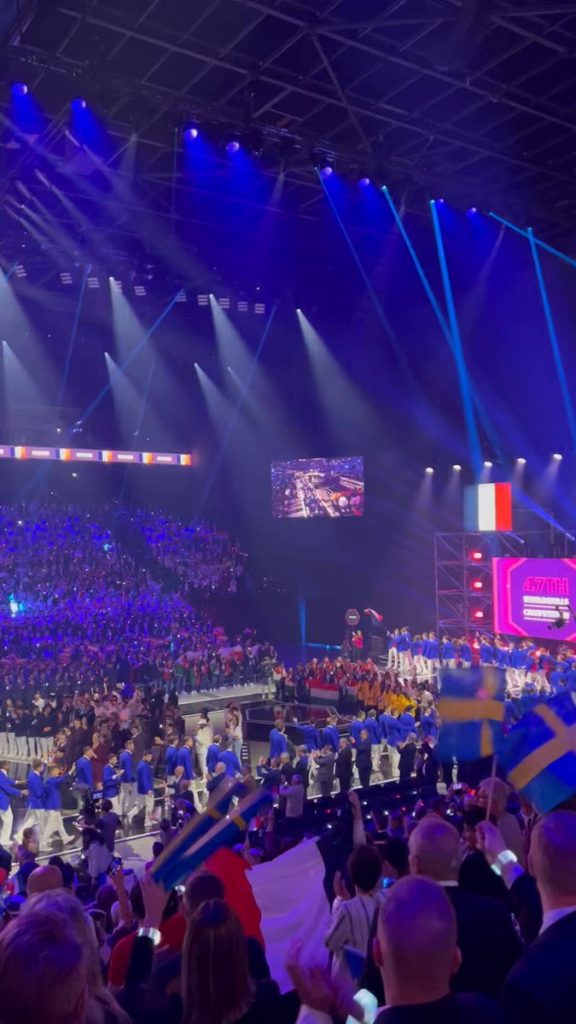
(65, 277)
(478, 614)
(473, 209)
(139, 289)
(78, 104)
(477, 585)
(181, 296)
(203, 300)
(429, 470)
(259, 308)
(521, 462)
(233, 146)
(439, 200)
(488, 464)
(476, 556)
(364, 182)
(326, 171)
(192, 133)
(557, 457)
(242, 306)
(19, 89)
(457, 468)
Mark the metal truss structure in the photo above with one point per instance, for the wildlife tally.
(463, 573)
(469, 99)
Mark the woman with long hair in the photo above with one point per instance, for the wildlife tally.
(214, 937)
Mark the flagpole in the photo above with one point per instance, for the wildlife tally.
(491, 787)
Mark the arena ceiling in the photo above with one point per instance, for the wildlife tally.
(474, 100)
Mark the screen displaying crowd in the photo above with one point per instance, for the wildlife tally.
(311, 488)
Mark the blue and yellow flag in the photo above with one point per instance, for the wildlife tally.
(219, 826)
(471, 710)
(540, 753)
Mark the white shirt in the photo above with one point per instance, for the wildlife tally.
(551, 916)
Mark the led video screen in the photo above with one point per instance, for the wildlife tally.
(535, 597)
(318, 488)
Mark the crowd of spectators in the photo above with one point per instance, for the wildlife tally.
(435, 913)
(86, 604)
(202, 557)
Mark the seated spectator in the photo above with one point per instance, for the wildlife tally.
(487, 938)
(44, 879)
(351, 923)
(43, 971)
(101, 1007)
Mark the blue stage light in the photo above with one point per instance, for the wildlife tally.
(233, 146)
(78, 104)
(326, 171)
(19, 89)
(364, 182)
(473, 209)
(192, 133)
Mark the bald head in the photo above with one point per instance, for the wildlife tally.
(435, 849)
(418, 961)
(553, 858)
(44, 878)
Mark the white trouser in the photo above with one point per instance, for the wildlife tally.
(54, 823)
(44, 745)
(406, 661)
(143, 800)
(128, 791)
(6, 819)
(11, 741)
(449, 663)
(3, 744)
(202, 753)
(376, 752)
(22, 747)
(393, 658)
(419, 664)
(116, 804)
(394, 760)
(33, 818)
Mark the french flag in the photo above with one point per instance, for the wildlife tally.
(275, 901)
(488, 508)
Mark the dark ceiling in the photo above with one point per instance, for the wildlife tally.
(474, 100)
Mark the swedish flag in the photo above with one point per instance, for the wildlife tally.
(471, 710)
(203, 835)
(540, 752)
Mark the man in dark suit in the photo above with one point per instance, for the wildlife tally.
(344, 765)
(302, 767)
(487, 939)
(417, 955)
(542, 985)
(325, 773)
(417, 963)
